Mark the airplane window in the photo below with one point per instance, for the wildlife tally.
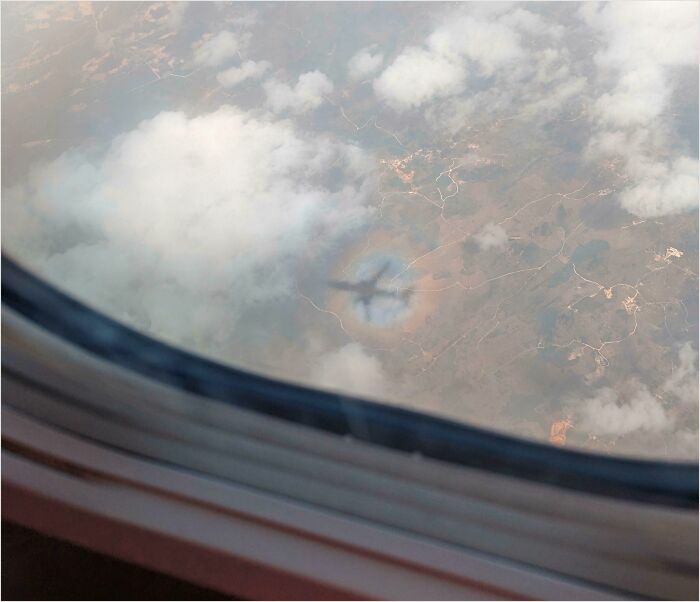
(482, 212)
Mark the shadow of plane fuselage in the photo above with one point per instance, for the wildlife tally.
(366, 290)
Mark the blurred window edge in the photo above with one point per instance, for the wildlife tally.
(667, 483)
(60, 476)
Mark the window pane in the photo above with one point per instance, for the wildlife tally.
(486, 212)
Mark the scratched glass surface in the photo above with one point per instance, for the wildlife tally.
(484, 212)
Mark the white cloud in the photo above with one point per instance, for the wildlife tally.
(351, 370)
(609, 412)
(661, 188)
(440, 69)
(177, 14)
(644, 43)
(219, 49)
(306, 95)
(183, 223)
(639, 97)
(488, 44)
(491, 236)
(557, 96)
(450, 116)
(449, 72)
(654, 33)
(543, 84)
(532, 24)
(364, 63)
(683, 382)
(248, 70)
(417, 76)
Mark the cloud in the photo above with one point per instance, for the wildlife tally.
(558, 95)
(683, 383)
(219, 49)
(351, 370)
(306, 95)
(248, 70)
(542, 85)
(488, 44)
(661, 188)
(661, 33)
(491, 236)
(364, 63)
(482, 61)
(177, 14)
(610, 412)
(182, 224)
(645, 45)
(532, 24)
(643, 42)
(639, 97)
(417, 76)
(464, 43)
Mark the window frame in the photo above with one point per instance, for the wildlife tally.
(105, 429)
(658, 482)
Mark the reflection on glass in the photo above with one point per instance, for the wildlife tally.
(488, 212)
